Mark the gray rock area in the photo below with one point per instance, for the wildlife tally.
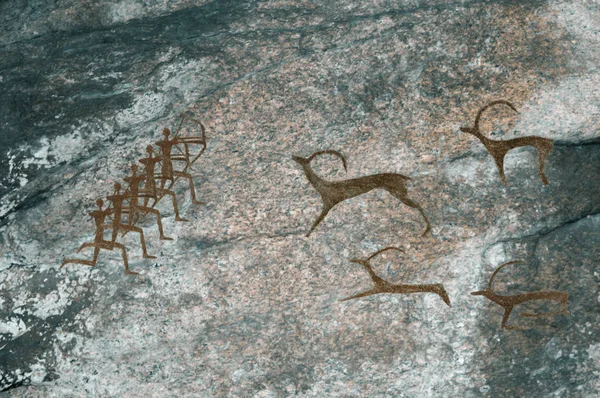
(241, 303)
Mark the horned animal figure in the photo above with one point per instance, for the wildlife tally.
(499, 149)
(508, 302)
(383, 286)
(334, 192)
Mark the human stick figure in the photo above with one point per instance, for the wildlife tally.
(99, 242)
(167, 170)
(117, 199)
(133, 194)
(150, 188)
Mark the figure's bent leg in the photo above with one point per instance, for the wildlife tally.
(90, 263)
(142, 240)
(158, 221)
(192, 190)
(174, 199)
(125, 262)
(88, 244)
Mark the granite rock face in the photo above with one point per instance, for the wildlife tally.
(241, 303)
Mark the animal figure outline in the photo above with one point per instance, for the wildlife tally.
(498, 149)
(383, 286)
(508, 302)
(334, 192)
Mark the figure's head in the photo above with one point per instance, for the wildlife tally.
(166, 132)
(134, 168)
(100, 203)
(117, 186)
(149, 149)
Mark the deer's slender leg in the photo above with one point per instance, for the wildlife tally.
(530, 315)
(414, 205)
(543, 151)
(439, 289)
(507, 311)
(319, 219)
(499, 159)
(563, 309)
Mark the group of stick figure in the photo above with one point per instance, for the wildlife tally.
(134, 201)
(335, 192)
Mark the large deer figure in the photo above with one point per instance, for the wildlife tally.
(508, 302)
(334, 192)
(499, 149)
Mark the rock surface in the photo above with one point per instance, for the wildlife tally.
(241, 303)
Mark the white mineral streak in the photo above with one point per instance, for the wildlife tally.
(569, 110)
(53, 303)
(14, 327)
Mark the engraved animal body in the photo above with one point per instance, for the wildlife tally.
(508, 302)
(334, 192)
(383, 286)
(499, 149)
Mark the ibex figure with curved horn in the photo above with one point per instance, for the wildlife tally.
(499, 149)
(383, 286)
(334, 192)
(508, 302)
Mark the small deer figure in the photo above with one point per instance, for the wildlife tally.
(499, 149)
(334, 192)
(383, 286)
(508, 302)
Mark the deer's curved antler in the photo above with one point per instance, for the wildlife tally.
(386, 249)
(331, 152)
(499, 268)
(476, 125)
